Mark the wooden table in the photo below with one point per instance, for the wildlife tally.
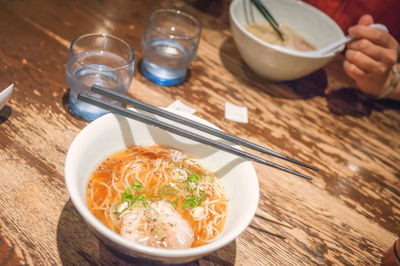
(348, 214)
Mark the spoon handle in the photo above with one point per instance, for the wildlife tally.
(346, 39)
(335, 45)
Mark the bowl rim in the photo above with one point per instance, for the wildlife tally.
(284, 49)
(100, 228)
(150, 25)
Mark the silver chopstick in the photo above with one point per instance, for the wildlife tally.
(86, 97)
(177, 118)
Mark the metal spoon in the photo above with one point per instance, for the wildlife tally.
(337, 44)
(5, 95)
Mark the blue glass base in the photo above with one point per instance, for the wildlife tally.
(85, 111)
(160, 80)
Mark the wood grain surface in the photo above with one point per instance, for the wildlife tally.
(349, 214)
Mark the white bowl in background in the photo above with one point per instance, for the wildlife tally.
(111, 133)
(272, 61)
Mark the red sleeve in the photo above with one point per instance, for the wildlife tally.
(347, 12)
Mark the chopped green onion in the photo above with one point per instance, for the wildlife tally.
(168, 190)
(194, 178)
(137, 183)
(172, 203)
(127, 195)
(189, 204)
(193, 202)
(141, 197)
(130, 198)
(123, 206)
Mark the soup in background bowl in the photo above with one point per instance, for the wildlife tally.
(291, 39)
(112, 134)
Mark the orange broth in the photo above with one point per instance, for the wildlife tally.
(153, 169)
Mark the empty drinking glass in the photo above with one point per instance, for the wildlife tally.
(169, 45)
(98, 59)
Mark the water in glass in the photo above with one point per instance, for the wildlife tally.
(166, 60)
(80, 78)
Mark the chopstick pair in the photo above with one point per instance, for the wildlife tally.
(86, 97)
(267, 15)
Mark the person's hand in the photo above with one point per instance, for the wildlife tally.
(370, 57)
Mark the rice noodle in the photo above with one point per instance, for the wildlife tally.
(159, 173)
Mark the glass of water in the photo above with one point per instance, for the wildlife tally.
(98, 59)
(169, 45)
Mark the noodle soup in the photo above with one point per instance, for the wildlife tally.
(291, 40)
(157, 196)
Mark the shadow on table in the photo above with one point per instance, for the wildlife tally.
(343, 101)
(78, 246)
(5, 113)
(67, 107)
(139, 70)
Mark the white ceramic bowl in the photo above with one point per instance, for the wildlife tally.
(110, 133)
(274, 62)
(5, 95)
